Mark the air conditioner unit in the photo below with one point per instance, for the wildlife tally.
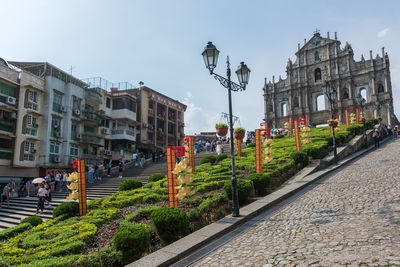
(13, 115)
(144, 125)
(105, 131)
(58, 134)
(64, 109)
(56, 159)
(33, 151)
(77, 112)
(11, 100)
(78, 136)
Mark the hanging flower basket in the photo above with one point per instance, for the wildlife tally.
(332, 123)
(379, 119)
(239, 133)
(222, 129)
(362, 119)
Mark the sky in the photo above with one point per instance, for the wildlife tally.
(160, 43)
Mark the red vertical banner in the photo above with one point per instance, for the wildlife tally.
(82, 187)
(347, 118)
(258, 151)
(290, 126)
(297, 135)
(172, 192)
(357, 115)
(239, 147)
(190, 142)
(306, 120)
(331, 128)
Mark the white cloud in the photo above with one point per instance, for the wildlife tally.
(383, 33)
(196, 119)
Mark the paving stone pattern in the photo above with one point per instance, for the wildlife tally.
(351, 218)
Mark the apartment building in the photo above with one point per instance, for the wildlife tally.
(161, 120)
(21, 95)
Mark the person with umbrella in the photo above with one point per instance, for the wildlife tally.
(42, 192)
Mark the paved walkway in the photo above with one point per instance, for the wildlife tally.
(352, 217)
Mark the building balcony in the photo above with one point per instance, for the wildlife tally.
(92, 116)
(5, 153)
(124, 114)
(123, 134)
(7, 126)
(91, 138)
(94, 95)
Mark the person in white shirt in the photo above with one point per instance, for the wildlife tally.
(57, 180)
(42, 192)
(134, 157)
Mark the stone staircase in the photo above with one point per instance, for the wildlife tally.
(23, 207)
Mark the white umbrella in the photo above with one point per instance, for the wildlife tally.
(38, 180)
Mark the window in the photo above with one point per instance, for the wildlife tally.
(76, 105)
(316, 56)
(317, 74)
(31, 125)
(124, 103)
(29, 157)
(54, 148)
(295, 102)
(74, 150)
(108, 102)
(6, 89)
(345, 93)
(33, 96)
(32, 106)
(57, 102)
(29, 150)
(380, 88)
(55, 126)
(74, 131)
(270, 108)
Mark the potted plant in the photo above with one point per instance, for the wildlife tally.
(222, 129)
(239, 133)
(332, 123)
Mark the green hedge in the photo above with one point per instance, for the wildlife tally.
(132, 241)
(212, 202)
(66, 209)
(221, 157)
(101, 216)
(207, 187)
(130, 184)
(156, 177)
(244, 189)
(170, 224)
(355, 128)
(140, 214)
(33, 220)
(300, 158)
(208, 159)
(15, 230)
(251, 145)
(154, 198)
(261, 182)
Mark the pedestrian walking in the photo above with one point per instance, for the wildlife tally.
(219, 148)
(42, 193)
(395, 132)
(109, 165)
(120, 168)
(5, 195)
(141, 160)
(376, 137)
(57, 180)
(91, 174)
(28, 187)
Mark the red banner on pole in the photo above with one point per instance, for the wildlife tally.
(82, 187)
(346, 112)
(190, 142)
(306, 120)
(357, 115)
(239, 147)
(290, 126)
(172, 192)
(258, 151)
(297, 135)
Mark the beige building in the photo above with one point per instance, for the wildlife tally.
(21, 97)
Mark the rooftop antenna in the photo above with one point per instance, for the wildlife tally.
(316, 31)
(70, 72)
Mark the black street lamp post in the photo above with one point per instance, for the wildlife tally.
(330, 93)
(361, 101)
(210, 56)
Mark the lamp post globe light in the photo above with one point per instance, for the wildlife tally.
(361, 101)
(210, 56)
(330, 93)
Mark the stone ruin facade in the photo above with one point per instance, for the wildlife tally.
(323, 59)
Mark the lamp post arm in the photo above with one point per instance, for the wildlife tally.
(225, 83)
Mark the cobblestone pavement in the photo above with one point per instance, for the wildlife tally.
(352, 217)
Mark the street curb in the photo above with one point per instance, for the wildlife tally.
(190, 243)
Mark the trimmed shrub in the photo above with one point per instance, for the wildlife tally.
(194, 215)
(133, 240)
(355, 128)
(13, 231)
(244, 189)
(213, 201)
(94, 203)
(66, 209)
(154, 198)
(221, 157)
(313, 152)
(300, 157)
(261, 182)
(208, 159)
(170, 224)
(279, 136)
(75, 247)
(100, 216)
(207, 187)
(141, 214)
(251, 145)
(130, 184)
(33, 220)
(155, 177)
(370, 123)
